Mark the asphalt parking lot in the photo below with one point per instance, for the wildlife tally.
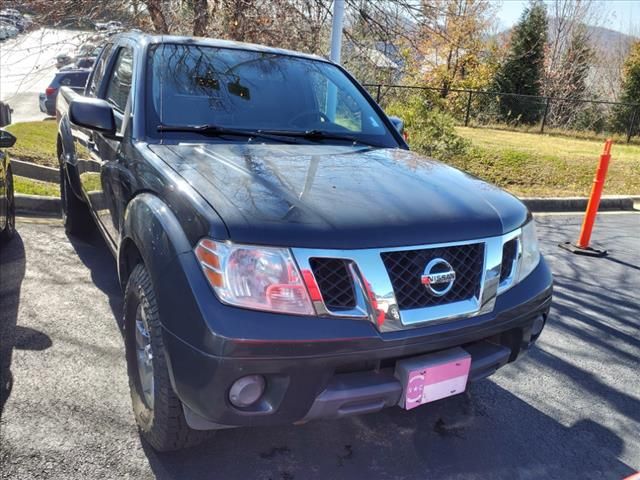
(570, 409)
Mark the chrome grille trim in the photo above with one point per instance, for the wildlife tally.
(508, 282)
(370, 275)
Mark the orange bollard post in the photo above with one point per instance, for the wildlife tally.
(582, 246)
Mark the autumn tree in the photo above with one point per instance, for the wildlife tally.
(630, 94)
(453, 41)
(523, 70)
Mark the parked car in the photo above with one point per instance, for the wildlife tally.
(111, 25)
(80, 63)
(7, 30)
(15, 21)
(7, 201)
(284, 256)
(114, 25)
(89, 50)
(75, 79)
(63, 59)
(10, 11)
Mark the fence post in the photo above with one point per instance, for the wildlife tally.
(633, 120)
(466, 117)
(378, 94)
(544, 117)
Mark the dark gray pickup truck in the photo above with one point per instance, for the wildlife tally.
(284, 256)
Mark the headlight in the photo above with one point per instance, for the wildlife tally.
(260, 278)
(530, 253)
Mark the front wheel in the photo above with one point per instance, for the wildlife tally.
(10, 224)
(75, 213)
(156, 407)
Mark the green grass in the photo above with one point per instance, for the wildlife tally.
(91, 181)
(36, 142)
(35, 187)
(618, 138)
(533, 164)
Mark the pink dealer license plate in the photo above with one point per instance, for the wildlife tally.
(431, 377)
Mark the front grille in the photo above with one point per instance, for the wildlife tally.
(509, 252)
(405, 268)
(335, 283)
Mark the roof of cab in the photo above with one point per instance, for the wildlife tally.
(145, 38)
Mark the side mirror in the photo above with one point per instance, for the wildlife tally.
(94, 114)
(398, 123)
(7, 140)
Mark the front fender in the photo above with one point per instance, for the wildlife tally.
(156, 233)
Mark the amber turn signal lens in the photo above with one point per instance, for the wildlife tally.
(210, 262)
(215, 278)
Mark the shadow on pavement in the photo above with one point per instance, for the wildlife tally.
(12, 335)
(96, 256)
(489, 433)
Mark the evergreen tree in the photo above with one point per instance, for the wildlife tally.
(523, 70)
(630, 93)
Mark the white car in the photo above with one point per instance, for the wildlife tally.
(63, 59)
(7, 31)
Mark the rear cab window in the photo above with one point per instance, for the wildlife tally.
(119, 84)
(99, 70)
(118, 88)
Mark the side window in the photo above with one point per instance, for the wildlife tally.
(98, 70)
(119, 84)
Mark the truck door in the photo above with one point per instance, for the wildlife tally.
(103, 184)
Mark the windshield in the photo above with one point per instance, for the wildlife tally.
(250, 90)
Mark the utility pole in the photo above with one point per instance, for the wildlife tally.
(336, 47)
(336, 30)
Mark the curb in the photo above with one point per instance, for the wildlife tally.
(37, 205)
(579, 204)
(35, 172)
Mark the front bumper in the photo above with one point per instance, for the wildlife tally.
(329, 376)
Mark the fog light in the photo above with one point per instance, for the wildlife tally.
(537, 326)
(246, 390)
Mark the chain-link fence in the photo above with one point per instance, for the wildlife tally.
(520, 112)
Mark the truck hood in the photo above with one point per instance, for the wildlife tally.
(324, 196)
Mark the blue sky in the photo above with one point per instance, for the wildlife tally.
(621, 15)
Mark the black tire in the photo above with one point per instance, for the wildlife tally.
(9, 229)
(163, 424)
(75, 213)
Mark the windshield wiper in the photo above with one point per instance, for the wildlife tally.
(277, 135)
(216, 130)
(320, 135)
